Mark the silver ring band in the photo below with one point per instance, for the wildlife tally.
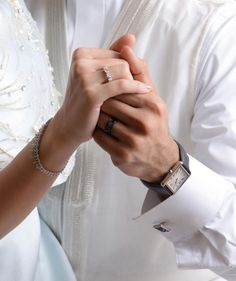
(107, 73)
(109, 126)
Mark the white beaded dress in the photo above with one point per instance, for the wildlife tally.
(28, 98)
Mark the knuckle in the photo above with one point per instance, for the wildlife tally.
(125, 70)
(80, 66)
(78, 54)
(122, 84)
(151, 105)
(157, 107)
(127, 74)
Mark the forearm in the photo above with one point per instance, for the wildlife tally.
(22, 185)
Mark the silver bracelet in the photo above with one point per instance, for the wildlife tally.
(35, 153)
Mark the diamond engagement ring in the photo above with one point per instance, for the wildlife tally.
(107, 73)
(109, 126)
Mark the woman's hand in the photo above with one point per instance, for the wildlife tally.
(87, 90)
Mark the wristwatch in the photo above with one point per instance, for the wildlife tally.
(175, 178)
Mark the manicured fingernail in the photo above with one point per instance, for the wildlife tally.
(146, 88)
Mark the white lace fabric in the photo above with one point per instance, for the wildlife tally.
(28, 96)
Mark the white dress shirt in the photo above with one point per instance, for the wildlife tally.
(96, 214)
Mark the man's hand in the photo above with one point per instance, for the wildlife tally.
(141, 144)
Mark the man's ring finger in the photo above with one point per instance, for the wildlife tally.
(109, 126)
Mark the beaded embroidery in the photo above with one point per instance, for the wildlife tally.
(25, 89)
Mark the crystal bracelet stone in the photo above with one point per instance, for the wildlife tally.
(36, 155)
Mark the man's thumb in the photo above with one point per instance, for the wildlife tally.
(125, 40)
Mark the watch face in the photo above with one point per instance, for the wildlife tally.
(177, 178)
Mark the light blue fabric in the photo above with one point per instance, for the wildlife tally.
(53, 264)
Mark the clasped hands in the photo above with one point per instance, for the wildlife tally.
(140, 144)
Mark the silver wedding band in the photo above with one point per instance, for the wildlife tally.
(109, 126)
(107, 73)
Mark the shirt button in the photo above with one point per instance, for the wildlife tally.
(162, 227)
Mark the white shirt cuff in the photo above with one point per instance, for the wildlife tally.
(195, 204)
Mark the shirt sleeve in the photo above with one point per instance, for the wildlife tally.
(200, 218)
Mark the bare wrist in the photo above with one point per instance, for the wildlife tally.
(170, 158)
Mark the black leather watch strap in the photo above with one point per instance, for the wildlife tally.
(183, 156)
